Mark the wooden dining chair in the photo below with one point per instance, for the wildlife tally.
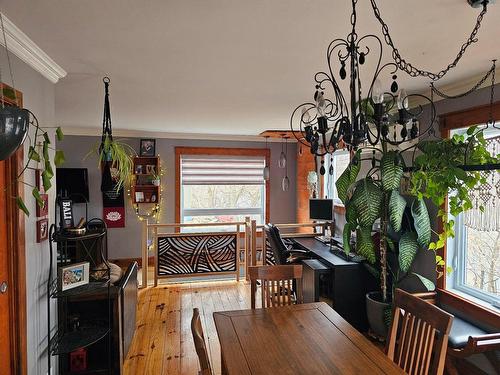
(418, 337)
(199, 343)
(280, 285)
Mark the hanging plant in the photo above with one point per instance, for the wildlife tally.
(15, 123)
(439, 175)
(114, 156)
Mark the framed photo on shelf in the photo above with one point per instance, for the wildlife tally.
(139, 196)
(138, 169)
(148, 147)
(42, 230)
(69, 277)
(150, 169)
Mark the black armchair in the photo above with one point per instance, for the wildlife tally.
(283, 254)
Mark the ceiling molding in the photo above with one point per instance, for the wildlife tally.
(84, 131)
(453, 88)
(27, 50)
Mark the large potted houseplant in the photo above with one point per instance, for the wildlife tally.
(404, 227)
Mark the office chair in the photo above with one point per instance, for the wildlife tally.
(282, 253)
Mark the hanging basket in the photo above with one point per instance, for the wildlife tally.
(14, 124)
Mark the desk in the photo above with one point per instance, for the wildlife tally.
(300, 339)
(350, 282)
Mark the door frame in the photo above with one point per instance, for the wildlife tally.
(16, 252)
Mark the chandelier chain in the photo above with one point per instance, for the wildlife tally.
(407, 66)
(490, 72)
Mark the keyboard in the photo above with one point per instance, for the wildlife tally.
(347, 257)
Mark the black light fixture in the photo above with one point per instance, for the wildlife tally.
(266, 172)
(382, 112)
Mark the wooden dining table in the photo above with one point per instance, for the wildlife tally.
(308, 339)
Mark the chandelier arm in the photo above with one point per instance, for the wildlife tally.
(299, 139)
(407, 66)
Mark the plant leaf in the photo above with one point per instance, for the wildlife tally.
(373, 270)
(350, 214)
(59, 158)
(367, 200)
(427, 283)
(364, 244)
(391, 170)
(59, 134)
(46, 150)
(388, 316)
(22, 206)
(46, 180)
(33, 155)
(422, 222)
(46, 138)
(48, 169)
(348, 177)
(397, 205)
(346, 238)
(408, 248)
(36, 193)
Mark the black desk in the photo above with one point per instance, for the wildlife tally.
(350, 282)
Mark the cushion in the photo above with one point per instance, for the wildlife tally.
(115, 273)
(460, 332)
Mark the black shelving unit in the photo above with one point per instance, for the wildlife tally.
(93, 329)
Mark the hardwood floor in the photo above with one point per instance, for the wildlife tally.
(163, 343)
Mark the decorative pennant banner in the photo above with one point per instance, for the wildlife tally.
(113, 201)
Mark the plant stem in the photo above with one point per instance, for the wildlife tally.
(383, 242)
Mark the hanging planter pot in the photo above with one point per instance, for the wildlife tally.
(14, 124)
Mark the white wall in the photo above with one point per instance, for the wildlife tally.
(38, 95)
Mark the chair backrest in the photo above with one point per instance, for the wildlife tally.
(280, 285)
(276, 242)
(199, 343)
(420, 347)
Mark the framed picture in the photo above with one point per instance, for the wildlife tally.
(72, 276)
(44, 209)
(42, 230)
(139, 196)
(138, 169)
(150, 169)
(148, 147)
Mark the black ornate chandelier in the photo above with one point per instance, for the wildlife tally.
(368, 116)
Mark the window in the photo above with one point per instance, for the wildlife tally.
(222, 188)
(475, 250)
(340, 162)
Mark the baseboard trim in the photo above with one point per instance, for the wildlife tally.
(124, 262)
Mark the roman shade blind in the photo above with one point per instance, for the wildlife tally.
(222, 170)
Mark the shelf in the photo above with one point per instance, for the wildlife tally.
(61, 237)
(63, 343)
(146, 187)
(89, 288)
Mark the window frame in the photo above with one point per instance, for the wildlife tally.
(336, 201)
(447, 122)
(217, 151)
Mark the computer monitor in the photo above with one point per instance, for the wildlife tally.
(321, 209)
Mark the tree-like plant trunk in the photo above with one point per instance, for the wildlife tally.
(383, 250)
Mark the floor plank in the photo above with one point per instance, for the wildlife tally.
(162, 343)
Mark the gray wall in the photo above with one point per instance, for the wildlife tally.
(38, 94)
(125, 242)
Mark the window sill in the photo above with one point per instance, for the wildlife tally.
(488, 316)
(475, 300)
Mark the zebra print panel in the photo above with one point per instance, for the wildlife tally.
(194, 254)
(269, 259)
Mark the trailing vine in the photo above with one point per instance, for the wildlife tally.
(438, 176)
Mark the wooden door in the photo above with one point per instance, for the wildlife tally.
(5, 334)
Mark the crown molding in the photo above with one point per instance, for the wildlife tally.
(27, 50)
(132, 133)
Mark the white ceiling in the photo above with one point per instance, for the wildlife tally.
(229, 67)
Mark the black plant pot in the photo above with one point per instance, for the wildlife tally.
(14, 124)
(376, 310)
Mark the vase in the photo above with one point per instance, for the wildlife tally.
(14, 124)
(376, 312)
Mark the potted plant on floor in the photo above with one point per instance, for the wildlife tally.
(404, 227)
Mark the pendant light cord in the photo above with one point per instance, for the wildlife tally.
(9, 63)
